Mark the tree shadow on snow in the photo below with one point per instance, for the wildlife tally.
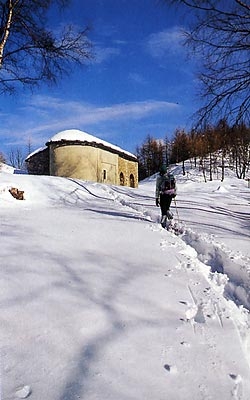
(119, 214)
(80, 379)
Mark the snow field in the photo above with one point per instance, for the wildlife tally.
(99, 302)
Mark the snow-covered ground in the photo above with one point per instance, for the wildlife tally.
(98, 302)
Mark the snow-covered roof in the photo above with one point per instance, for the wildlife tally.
(35, 152)
(79, 136)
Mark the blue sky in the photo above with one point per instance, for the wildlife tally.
(140, 81)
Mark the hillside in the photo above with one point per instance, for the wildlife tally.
(98, 302)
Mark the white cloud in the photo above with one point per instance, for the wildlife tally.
(166, 42)
(102, 54)
(92, 114)
(136, 78)
(43, 116)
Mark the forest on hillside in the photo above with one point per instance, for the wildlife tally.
(212, 149)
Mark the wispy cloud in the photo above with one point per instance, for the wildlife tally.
(163, 43)
(70, 112)
(44, 116)
(102, 54)
(136, 78)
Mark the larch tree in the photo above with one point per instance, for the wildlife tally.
(151, 155)
(181, 150)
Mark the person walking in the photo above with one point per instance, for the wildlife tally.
(165, 191)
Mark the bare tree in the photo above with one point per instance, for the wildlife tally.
(16, 158)
(29, 51)
(2, 158)
(180, 148)
(219, 33)
(29, 146)
(241, 150)
(151, 155)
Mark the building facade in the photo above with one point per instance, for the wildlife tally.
(76, 154)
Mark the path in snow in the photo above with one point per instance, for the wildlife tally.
(226, 269)
(210, 250)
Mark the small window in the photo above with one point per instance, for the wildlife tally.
(104, 174)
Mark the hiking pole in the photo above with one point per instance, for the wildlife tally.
(176, 210)
(180, 229)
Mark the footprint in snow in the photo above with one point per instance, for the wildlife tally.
(237, 389)
(170, 368)
(196, 313)
(185, 344)
(23, 392)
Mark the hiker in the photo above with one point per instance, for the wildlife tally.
(165, 191)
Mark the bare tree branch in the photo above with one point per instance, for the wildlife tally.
(30, 53)
(219, 34)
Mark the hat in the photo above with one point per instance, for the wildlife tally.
(163, 169)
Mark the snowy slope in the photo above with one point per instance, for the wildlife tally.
(98, 302)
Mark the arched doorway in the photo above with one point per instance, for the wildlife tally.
(132, 181)
(122, 180)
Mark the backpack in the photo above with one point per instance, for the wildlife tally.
(168, 184)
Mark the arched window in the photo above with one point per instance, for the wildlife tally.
(122, 180)
(132, 181)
